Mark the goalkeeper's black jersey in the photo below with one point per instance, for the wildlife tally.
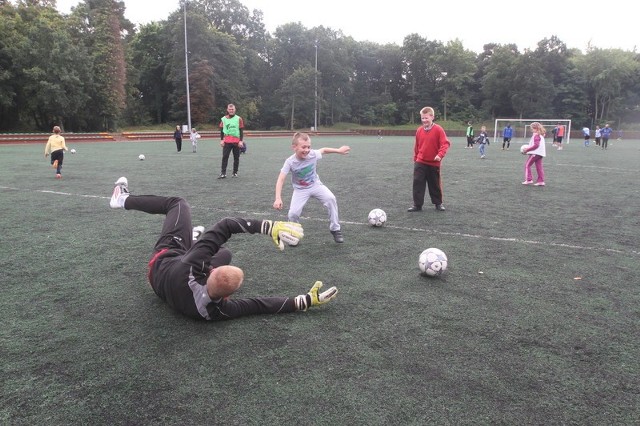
(179, 275)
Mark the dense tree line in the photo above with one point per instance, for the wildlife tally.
(93, 70)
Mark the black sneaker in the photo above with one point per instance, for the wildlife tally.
(337, 236)
(440, 207)
(222, 176)
(234, 175)
(414, 209)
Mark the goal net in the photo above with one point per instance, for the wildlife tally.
(522, 130)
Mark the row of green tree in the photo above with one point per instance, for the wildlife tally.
(93, 70)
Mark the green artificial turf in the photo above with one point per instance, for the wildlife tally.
(535, 322)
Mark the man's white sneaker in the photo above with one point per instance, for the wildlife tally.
(197, 232)
(120, 193)
(123, 181)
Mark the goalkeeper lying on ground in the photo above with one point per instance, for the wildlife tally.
(195, 278)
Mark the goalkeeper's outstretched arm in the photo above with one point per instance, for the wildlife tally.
(213, 238)
(226, 308)
(314, 297)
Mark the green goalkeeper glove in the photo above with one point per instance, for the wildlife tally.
(283, 232)
(313, 298)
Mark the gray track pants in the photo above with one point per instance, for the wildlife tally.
(322, 194)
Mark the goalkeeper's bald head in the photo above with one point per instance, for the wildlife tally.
(224, 281)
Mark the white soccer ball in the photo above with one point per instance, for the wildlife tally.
(141, 157)
(432, 262)
(522, 148)
(377, 217)
(73, 150)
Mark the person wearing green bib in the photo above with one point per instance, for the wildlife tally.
(231, 134)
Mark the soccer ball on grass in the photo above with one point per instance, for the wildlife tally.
(141, 157)
(377, 217)
(73, 150)
(432, 262)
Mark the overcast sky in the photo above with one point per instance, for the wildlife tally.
(603, 24)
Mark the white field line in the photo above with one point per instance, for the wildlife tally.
(263, 214)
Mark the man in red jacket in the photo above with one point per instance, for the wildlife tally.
(430, 148)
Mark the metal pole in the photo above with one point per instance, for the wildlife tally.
(444, 77)
(186, 65)
(315, 111)
(445, 102)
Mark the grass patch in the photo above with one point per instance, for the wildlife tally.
(536, 321)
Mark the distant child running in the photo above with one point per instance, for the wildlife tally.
(306, 182)
(482, 140)
(194, 136)
(507, 134)
(587, 135)
(535, 152)
(56, 146)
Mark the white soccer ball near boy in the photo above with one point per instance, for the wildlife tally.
(432, 262)
(523, 148)
(377, 217)
(73, 150)
(141, 157)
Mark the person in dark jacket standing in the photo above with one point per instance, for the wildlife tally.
(177, 135)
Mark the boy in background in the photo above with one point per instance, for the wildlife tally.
(606, 134)
(559, 136)
(428, 151)
(507, 134)
(482, 140)
(587, 135)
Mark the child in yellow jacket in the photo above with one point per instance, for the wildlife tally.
(56, 147)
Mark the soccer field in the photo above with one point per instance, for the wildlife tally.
(535, 322)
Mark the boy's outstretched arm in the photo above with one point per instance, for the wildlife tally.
(277, 204)
(344, 149)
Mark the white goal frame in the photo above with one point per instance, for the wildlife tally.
(521, 128)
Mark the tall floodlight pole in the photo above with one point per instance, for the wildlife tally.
(444, 77)
(186, 65)
(315, 111)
